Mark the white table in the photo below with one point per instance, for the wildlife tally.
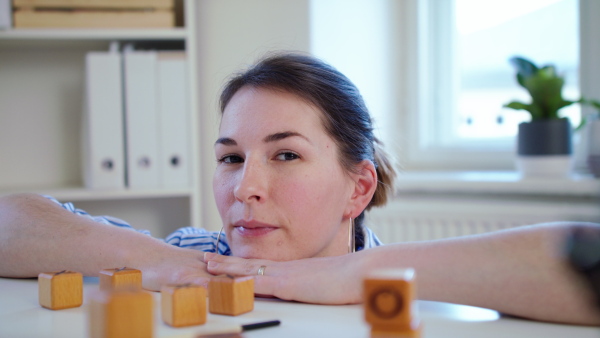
(22, 316)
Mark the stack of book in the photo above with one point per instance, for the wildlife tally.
(136, 120)
(93, 13)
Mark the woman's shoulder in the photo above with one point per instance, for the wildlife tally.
(371, 239)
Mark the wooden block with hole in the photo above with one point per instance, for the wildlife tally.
(121, 313)
(60, 290)
(231, 296)
(389, 301)
(121, 278)
(183, 305)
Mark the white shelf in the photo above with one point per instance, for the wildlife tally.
(177, 33)
(498, 182)
(75, 194)
(48, 65)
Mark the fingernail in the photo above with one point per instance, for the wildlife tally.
(212, 264)
(208, 255)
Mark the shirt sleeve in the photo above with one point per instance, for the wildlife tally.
(371, 239)
(109, 220)
(199, 239)
(188, 237)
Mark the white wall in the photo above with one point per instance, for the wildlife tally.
(362, 30)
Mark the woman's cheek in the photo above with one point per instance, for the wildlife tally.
(223, 192)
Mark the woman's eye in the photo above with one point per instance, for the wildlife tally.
(231, 159)
(287, 156)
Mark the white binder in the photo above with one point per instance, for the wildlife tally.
(103, 139)
(141, 119)
(5, 14)
(174, 151)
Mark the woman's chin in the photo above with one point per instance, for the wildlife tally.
(257, 253)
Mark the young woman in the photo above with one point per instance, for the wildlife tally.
(297, 166)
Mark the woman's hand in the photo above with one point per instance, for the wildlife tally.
(37, 235)
(327, 280)
(172, 265)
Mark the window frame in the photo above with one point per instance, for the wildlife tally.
(427, 89)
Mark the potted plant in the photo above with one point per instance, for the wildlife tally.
(544, 144)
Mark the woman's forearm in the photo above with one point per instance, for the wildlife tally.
(521, 272)
(38, 235)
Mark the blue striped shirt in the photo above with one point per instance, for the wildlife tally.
(189, 237)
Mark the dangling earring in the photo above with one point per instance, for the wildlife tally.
(351, 244)
(218, 239)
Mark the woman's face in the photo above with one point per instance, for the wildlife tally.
(280, 189)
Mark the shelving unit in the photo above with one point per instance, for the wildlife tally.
(41, 98)
(177, 33)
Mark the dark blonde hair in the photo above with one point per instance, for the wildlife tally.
(345, 115)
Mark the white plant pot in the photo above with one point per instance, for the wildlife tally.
(545, 165)
(544, 148)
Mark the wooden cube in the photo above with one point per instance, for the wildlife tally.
(120, 279)
(121, 313)
(60, 289)
(231, 296)
(183, 305)
(389, 301)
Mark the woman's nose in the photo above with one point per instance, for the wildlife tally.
(251, 186)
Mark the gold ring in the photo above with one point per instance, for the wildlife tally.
(261, 270)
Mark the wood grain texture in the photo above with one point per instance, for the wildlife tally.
(389, 301)
(121, 314)
(60, 289)
(24, 18)
(183, 305)
(120, 279)
(231, 296)
(94, 3)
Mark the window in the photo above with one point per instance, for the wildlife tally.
(487, 34)
(462, 51)
(436, 73)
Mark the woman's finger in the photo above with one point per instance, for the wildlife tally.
(209, 256)
(239, 268)
(235, 266)
(215, 257)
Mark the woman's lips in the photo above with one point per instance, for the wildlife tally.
(253, 229)
(253, 232)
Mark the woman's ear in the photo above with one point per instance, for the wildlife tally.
(365, 184)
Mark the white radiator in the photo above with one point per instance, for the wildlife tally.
(425, 218)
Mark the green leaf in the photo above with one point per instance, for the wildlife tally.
(533, 109)
(548, 71)
(545, 87)
(524, 67)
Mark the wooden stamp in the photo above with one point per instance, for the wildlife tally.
(60, 289)
(121, 278)
(231, 296)
(389, 301)
(121, 313)
(183, 305)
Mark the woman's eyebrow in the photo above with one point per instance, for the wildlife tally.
(226, 141)
(283, 135)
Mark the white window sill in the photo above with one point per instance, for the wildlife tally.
(497, 182)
